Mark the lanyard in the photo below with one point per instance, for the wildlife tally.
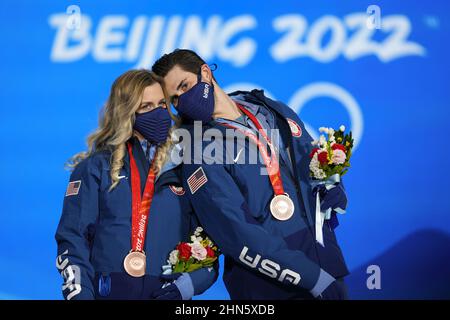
(272, 165)
(140, 206)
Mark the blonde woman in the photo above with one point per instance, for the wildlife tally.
(124, 209)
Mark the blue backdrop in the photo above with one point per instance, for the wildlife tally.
(332, 62)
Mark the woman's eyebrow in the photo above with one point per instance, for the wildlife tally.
(147, 102)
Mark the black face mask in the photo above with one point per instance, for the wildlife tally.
(153, 125)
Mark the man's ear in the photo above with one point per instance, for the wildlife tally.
(206, 73)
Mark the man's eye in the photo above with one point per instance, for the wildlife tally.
(175, 101)
(184, 87)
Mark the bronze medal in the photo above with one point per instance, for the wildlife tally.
(282, 207)
(135, 263)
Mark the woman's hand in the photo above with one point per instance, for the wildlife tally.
(178, 287)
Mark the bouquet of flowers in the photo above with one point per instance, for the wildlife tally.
(190, 256)
(331, 156)
(330, 159)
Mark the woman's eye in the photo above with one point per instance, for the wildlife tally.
(146, 107)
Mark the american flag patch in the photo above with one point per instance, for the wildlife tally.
(73, 188)
(196, 180)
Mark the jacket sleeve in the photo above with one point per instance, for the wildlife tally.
(75, 232)
(220, 206)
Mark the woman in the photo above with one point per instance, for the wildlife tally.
(124, 208)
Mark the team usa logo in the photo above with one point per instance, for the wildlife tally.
(269, 267)
(295, 128)
(179, 191)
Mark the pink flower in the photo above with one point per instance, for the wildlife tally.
(338, 156)
(338, 146)
(198, 251)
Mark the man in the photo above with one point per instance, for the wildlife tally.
(261, 215)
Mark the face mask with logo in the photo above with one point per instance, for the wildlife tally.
(153, 125)
(197, 104)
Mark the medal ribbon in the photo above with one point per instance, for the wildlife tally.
(140, 206)
(273, 167)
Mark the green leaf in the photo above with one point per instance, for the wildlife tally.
(179, 267)
(209, 261)
(193, 267)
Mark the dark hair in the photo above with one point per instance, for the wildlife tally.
(188, 60)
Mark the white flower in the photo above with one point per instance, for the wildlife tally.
(342, 128)
(198, 230)
(193, 238)
(320, 174)
(338, 156)
(314, 166)
(315, 142)
(173, 257)
(322, 140)
(314, 162)
(198, 251)
(331, 131)
(323, 129)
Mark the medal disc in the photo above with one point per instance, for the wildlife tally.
(134, 263)
(282, 207)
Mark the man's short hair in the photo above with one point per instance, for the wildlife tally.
(188, 60)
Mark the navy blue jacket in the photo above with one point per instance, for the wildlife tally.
(264, 258)
(94, 233)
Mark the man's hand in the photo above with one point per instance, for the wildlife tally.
(336, 199)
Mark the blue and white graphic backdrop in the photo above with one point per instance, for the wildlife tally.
(379, 67)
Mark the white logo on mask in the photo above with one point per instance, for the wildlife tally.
(206, 91)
